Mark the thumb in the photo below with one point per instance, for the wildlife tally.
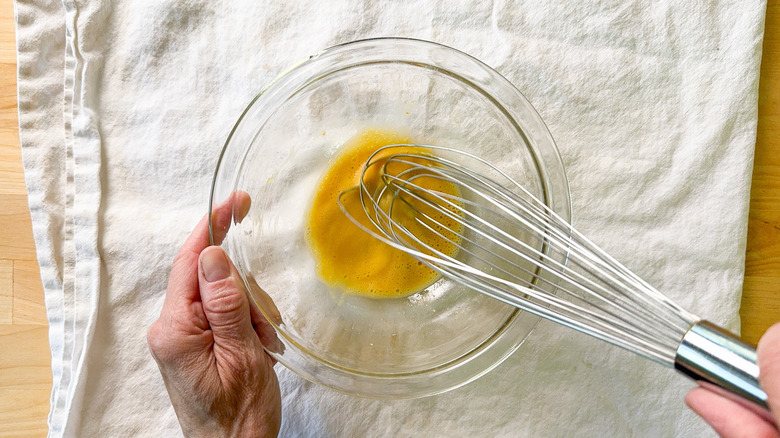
(769, 368)
(224, 299)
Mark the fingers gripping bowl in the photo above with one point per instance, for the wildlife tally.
(425, 343)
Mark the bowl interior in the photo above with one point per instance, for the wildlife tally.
(437, 338)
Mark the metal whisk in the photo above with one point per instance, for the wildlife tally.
(506, 243)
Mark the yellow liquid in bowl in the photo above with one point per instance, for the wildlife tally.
(348, 258)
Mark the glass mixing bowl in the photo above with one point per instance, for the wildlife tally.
(434, 340)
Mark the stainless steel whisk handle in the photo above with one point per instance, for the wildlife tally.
(708, 353)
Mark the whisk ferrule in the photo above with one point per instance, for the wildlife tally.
(716, 357)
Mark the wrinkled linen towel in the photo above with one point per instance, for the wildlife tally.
(124, 106)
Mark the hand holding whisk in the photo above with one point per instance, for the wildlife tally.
(509, 245)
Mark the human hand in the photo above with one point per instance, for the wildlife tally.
(208, 341)
(731, 419)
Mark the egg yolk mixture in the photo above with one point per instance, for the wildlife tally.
(352, 260)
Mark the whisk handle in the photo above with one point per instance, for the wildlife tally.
(708, 353)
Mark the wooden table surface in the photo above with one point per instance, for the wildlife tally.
(25, 373)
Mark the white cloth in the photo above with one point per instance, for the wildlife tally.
(124, 107)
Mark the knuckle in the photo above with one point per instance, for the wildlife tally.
(225, 300)
(181, 257)
(186, 258)
(157, 340)
(253, 361)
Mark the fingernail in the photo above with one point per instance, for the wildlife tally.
(214, 264)
(242, 204)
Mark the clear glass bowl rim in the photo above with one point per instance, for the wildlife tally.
(556, 194)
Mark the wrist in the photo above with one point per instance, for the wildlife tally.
(215, 427)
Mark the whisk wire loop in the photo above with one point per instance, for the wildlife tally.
(514, 247)
(606, 321)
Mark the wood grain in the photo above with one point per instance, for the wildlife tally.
(761, 289)
(25, 380)
(6, 291)
(25, 374)
(28, 304)
(25, 360)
